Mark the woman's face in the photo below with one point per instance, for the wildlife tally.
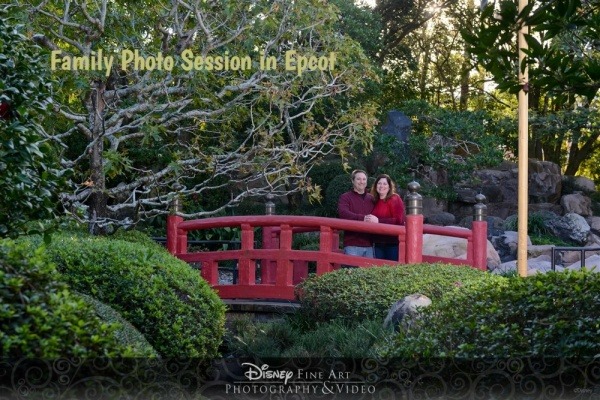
(383, 188)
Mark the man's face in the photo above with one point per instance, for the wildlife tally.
(359, 183)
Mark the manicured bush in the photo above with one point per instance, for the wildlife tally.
(41, 318)
(358, 293)
(126, 334)
(165, 299)
(546, 315)
(135, 236)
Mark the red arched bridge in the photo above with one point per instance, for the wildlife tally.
(271, 269)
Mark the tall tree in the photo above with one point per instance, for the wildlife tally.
(400, 18)
(564, 71)
(207, 123)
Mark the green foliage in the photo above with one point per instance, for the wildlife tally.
(28, 181)
(563, 73)
(41, 318)
(548, 240)
(338, 185)
(285, 338)
(361, 24)
(449, 144)
(363, 293)
(322, 174)
(125, 333)
(536, 223)
(538, 228)
(165, 299)
(549, 315)
(216, 137)
(135, 236)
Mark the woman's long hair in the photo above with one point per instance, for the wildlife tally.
(390, 182)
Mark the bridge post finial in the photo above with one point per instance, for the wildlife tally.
(414, 201)
(176, 240)
(269, 205)
(414, 225)
(480, 209)
(175, 207)
(480, 233)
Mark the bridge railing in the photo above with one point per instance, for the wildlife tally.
(271, 270)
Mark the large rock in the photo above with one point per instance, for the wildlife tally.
(545, 181)
(402, 313)
(577, 203)
(398, 125)
(500, 186)
(432, 206)
(506, 245)
(452, 247)
(441, 219)
(571, 227)
(581, 183)
(592, 263)
(536, 265)
(594, 223)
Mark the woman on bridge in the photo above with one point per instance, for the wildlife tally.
(389, 209)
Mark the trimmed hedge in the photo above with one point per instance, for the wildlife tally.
(546, 315)
(126, 334)
(41, 318)
(165, 299)
(358, 293)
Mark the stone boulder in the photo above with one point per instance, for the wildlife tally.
(582, 183)
(402, 314)
(577, 203)
(545, 181)
(592, 263)
(451, 247)
(506, 245)
(571, 227)
(536, 265)
(397, 124)
(500, 186)
(441, 219)
(594, 223)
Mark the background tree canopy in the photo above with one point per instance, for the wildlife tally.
(136, 138)
(139, 136)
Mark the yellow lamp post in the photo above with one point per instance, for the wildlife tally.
(523, 163)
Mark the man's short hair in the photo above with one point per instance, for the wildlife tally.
(357, 171)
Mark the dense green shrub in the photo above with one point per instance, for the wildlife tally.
(135, 236)
(537, 222)
(165, 299)
(322, 174)
(287, 338)
(126, 334)
(29, 181)
(41, 318)
(357, 293)
(551, 315)
(337, 186)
